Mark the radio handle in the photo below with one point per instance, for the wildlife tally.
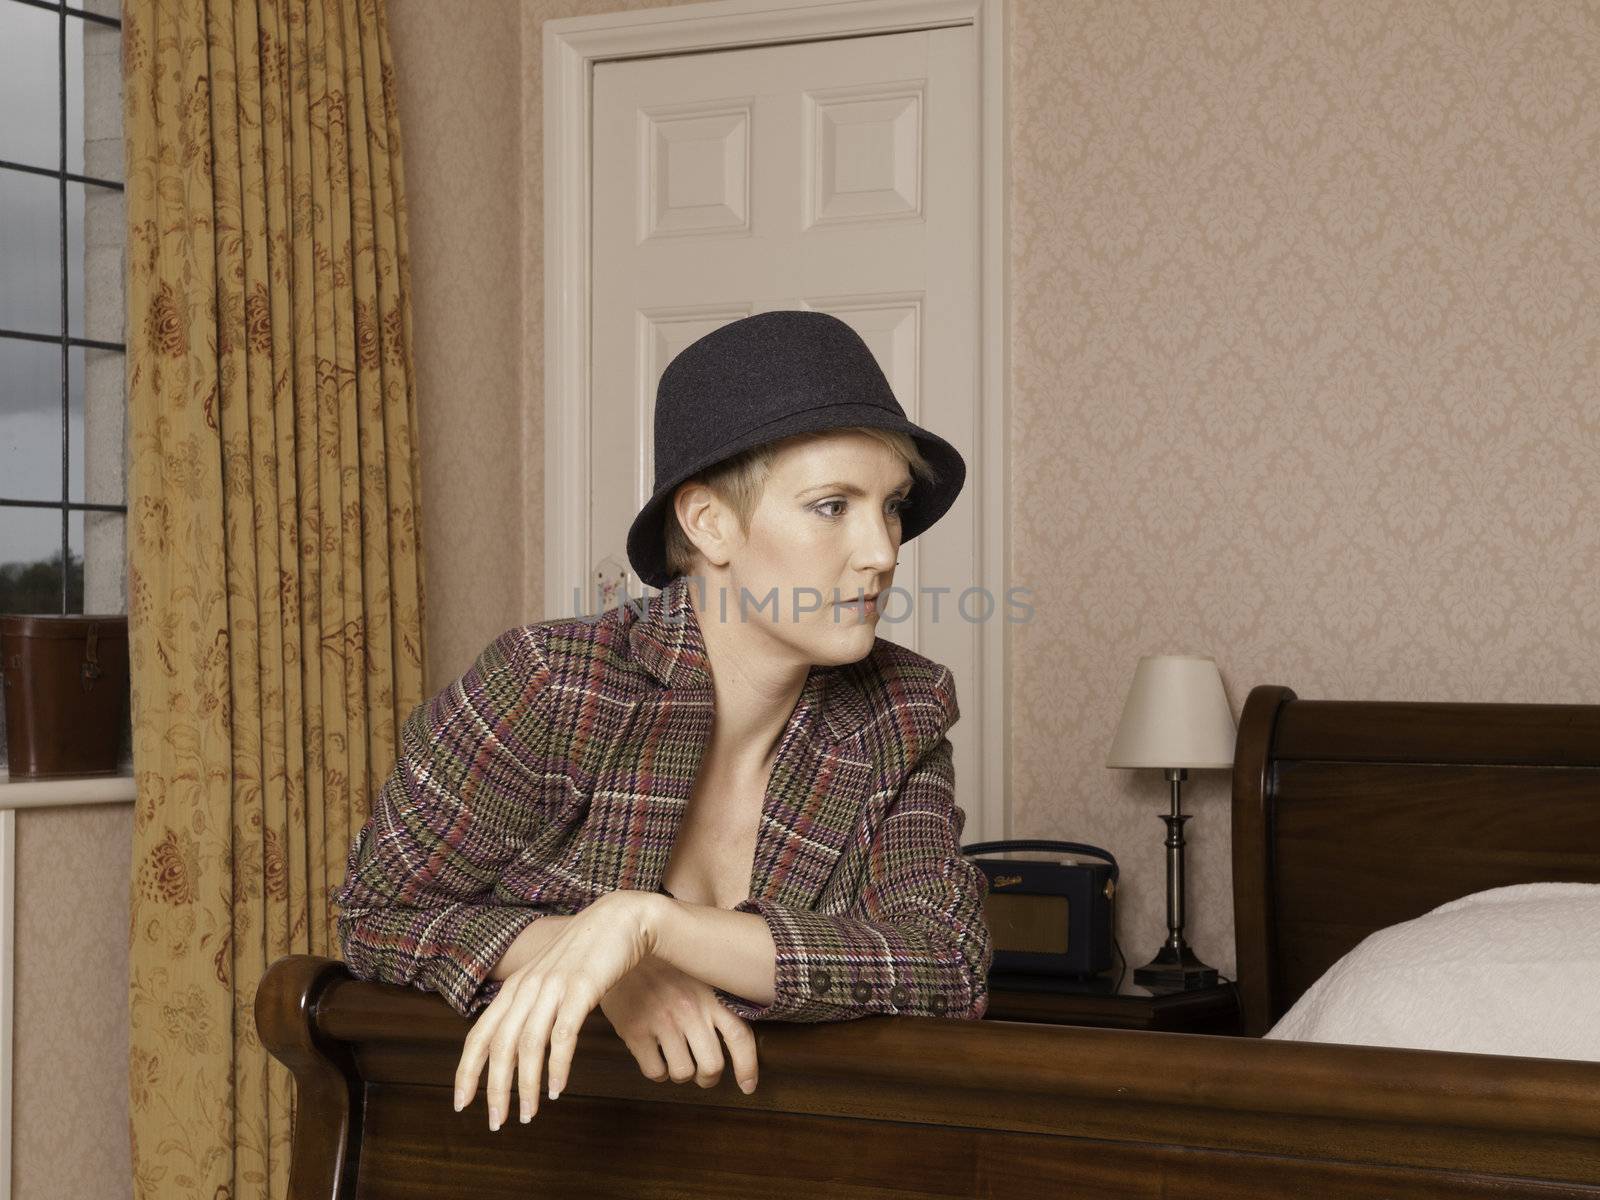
(1043, 844)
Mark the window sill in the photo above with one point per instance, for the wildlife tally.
(66, 790)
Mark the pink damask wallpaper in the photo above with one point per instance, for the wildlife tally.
(1306, 376)
(457, 76)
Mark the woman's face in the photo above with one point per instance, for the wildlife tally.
(825, 531)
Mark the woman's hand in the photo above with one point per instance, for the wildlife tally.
(544, 1002)
(659, 1011)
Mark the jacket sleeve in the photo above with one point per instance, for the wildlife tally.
(914, 942)
(418, 901)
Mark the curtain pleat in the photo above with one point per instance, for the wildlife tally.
(275, 578)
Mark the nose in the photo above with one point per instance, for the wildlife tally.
(877, 542)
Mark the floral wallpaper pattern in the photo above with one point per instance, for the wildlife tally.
(1305, 376)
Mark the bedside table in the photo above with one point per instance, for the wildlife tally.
(1097, 1001)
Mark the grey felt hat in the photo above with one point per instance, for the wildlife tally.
(766, 377)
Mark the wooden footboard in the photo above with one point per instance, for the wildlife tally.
(902, 1107)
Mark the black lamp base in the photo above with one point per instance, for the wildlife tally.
(1175, 968)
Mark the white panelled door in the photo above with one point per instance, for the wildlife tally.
(839, 175)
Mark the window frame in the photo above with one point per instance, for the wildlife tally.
(66, 505)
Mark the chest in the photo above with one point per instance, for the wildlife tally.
(645, 806)
(713, 855)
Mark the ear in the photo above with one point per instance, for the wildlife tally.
(706, 521)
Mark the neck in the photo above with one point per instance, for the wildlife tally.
(755, 685)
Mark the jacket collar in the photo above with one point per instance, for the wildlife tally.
(665, 639)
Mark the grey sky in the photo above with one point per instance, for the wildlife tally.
(30, 273)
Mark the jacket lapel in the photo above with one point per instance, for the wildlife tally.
(814, 799)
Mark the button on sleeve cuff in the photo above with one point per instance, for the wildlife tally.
(836, 968)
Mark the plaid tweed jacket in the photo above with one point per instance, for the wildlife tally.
(559, 767)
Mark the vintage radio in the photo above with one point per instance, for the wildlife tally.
(1047, 917)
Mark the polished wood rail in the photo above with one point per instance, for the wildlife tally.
(910, 1106)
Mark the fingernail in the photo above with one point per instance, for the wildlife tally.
(747, 1086)
(459, 1101)
(494, 1119)
(554, 1093)
(526, 1115)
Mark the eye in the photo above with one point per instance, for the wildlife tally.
(895, 505)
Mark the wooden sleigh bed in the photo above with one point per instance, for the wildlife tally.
(1347, 817)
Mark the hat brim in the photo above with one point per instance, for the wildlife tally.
(931, 500)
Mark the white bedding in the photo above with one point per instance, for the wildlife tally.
(1514, 970)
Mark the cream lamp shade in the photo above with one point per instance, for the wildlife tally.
(1176, 716)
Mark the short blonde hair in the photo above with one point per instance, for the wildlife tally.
(738, 482)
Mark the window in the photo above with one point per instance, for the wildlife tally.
(62, 404)
(63, 411)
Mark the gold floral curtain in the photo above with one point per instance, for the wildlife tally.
(275, 584)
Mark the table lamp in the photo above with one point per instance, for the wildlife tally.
(1176, 718)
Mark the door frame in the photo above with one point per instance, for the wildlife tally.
(572, 45)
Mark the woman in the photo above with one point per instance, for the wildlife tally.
(732, 804)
